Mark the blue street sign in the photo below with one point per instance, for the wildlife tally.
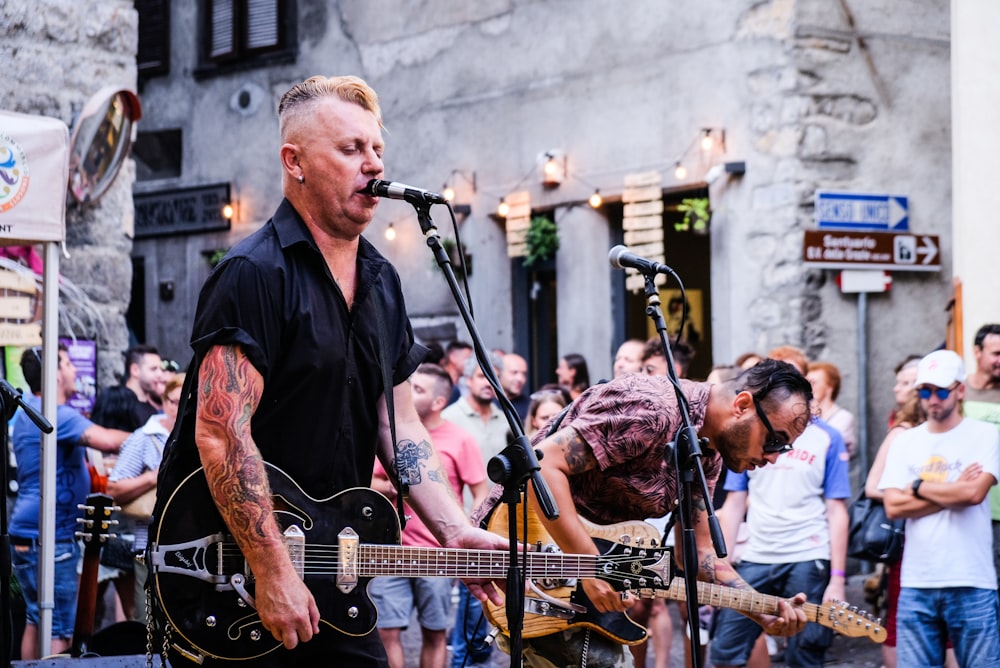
(857, 211)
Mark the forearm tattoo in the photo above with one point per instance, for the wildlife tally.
(412, 461)
(579, 457)
(228, 394)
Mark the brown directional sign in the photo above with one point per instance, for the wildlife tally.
(837, 249)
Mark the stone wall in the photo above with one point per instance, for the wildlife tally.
(57, 53)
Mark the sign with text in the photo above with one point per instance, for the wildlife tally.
(861, 211)
(643, 223)
(871, 250)
(181, 211)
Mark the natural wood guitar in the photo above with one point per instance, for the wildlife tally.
(94, 531)
(554, 605)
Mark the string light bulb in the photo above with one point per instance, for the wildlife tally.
(680, 171)
(596, 200)
(503, 208)
(706, 140)
(227, 211)
(448, 193)
(390, 233)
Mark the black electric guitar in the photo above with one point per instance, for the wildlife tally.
(338, 544)
(553, 605)
(94, 530)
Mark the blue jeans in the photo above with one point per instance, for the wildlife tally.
(468, 646)
(65, 584)
(736, 634)
(926, 618)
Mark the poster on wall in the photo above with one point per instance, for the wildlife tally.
(83, 354)
(673, 303)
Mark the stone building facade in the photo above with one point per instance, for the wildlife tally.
(58, 54)
(809, 97)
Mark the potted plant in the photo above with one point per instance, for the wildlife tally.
(542, 241)
(697, 214)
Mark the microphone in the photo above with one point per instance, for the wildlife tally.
(395, 190)
(621, 257)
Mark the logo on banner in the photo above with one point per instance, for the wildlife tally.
(13, 173)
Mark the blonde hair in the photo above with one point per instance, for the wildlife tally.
(172, 384)
(347, 88)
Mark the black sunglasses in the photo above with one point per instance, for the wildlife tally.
(941, 392)
(772, 444)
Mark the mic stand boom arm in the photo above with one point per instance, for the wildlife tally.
(686, 453)
(517, 463)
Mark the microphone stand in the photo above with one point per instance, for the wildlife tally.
(10, 399)
(685, 453)
(517, 463)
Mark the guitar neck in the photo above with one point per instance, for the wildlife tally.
(720, 596)
(402, 561)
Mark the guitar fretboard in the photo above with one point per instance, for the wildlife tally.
(401, 561)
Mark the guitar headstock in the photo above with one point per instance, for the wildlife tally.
(628, 567)
(96, 523)
(847, 620)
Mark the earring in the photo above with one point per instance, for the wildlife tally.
(302, 179)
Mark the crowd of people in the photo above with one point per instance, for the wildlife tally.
(306, 361)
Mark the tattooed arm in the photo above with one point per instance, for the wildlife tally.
(429, 493)
(563, 455)
(229, 391)
(790, 618)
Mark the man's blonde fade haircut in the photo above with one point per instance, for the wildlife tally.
(347, 88)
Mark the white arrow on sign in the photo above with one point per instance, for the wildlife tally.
(897, 214)
(928, 248)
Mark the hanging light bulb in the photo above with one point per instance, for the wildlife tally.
(680, 172)
(227, 211)
(448, 193)
(390, 233)
(503, 209)
(706, 140)
(596, 200)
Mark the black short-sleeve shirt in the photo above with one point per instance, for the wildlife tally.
(274, 296)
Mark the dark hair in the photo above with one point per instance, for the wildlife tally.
(456, 345)
(442, 379)
(553, 387)
(31, 366)
(435, 353)
(135, 354)
(581, 376)
(652, 348)
(910, 361)
(984, 331)
(772, 381)
(113, 408)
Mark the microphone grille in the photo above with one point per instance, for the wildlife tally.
(615, 256)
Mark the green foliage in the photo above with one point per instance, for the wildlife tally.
(696, 212)
(542, 241)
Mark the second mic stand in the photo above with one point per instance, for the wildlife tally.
(686, 453)
(516, 464)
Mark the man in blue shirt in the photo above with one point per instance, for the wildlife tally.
(75, 433)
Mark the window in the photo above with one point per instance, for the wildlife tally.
(247, 32)
(153, 57)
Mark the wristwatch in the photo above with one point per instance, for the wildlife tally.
(916, 487)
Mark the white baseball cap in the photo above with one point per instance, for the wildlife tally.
(942, 368)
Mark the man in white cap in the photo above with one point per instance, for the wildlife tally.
(937, 476)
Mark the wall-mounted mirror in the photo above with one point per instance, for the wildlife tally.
(100, 142)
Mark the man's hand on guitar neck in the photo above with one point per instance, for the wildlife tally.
(471, 538)
(790, 620)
